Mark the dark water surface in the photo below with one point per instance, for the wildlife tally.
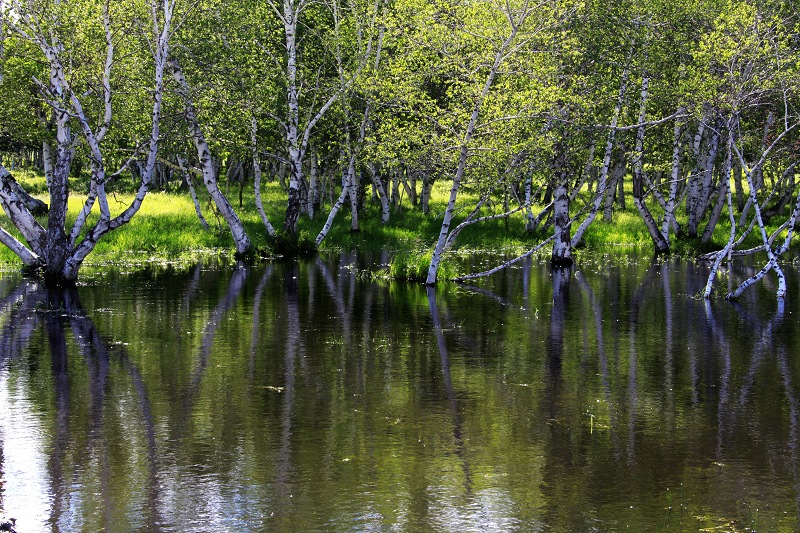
(302, 397)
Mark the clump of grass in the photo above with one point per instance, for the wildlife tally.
(414, 265)
(626, 229)
(410, 266)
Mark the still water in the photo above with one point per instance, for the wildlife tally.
(302, 396)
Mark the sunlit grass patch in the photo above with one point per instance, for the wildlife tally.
(167, 228)
(625, 229)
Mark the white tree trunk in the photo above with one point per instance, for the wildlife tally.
(297, 137)
(670, 223)
(660, 243)
(334, 211)
(772, 255)
(693, 184)
(20, 216)
(380, 191)
(562, 249)
(240, 238)
(313, 187)
(528, 197)
(190, 184)
(724, 191)
(726, 251)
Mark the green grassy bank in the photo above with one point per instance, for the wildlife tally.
(167, 230)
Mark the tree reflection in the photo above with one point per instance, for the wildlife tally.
(794, 425)
(78, 440)
(301, 396)
(455, 414)
(284, 474)
(605, 371)
(560, 461)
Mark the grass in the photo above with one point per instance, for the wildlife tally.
(167, 229)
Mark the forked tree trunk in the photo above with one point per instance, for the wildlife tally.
(54, 251)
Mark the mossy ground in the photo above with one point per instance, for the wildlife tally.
(167, 229)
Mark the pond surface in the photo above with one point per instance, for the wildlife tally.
(303, 397)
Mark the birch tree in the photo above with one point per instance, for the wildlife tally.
(241, 239)
(365, 29)
(308, 95)
(512, 27)
(752, 50)
(58, 250)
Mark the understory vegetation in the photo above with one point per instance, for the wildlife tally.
(167, 229)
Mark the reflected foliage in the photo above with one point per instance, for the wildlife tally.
(301, 396)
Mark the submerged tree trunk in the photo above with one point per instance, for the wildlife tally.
(562, 243)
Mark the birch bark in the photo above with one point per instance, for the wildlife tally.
(562, 249)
